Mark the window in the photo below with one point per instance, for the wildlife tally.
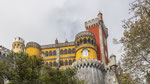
(61, 51)
(80, 41)
(84, 40)
(74, 60)
(66, 62)
(50, 53)
(69, 51)
(61, 63)
(65, 51)
(0, 53)
(70, 62)
(92, 42)
(54, 52)
(46, 53)
(89, 40)
(73, 50)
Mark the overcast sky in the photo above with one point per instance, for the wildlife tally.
(43, 21)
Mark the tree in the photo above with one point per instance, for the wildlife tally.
(136, 40)
(56, 76)
(23, 69)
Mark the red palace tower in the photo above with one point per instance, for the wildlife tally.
(97, 27)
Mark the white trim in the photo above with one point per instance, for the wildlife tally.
(101, 44)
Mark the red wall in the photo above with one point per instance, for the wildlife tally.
(95, 31)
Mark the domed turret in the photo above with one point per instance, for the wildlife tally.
(33, 49)
(85, 46)
(18, 45)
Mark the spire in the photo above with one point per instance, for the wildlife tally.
(66, 41)
(56, 41)
(100, 15)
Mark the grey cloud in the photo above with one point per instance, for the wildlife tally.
(45, 20)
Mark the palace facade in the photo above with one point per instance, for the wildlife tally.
(88, 53)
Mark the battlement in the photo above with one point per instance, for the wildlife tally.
(4, 49)
(88, 63)
(19, 39)
(91, 23)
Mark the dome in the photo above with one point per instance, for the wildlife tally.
(33, 44)
(85, 33)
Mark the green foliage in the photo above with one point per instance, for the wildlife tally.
(127, 79)
(136, 40)
(148, 77)
(23, 69)
(55, 76)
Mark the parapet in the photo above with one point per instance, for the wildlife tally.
(88, 63)
(57, 45)
(91, 23)
(33, 44)
(4, 49)
(19, 39)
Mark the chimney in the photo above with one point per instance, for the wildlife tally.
(66, 41)
(56, 41)
(100, 15)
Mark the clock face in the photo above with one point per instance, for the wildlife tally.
(85, 53)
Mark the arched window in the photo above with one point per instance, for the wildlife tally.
(69, 51)
(61, 51)
(62, 63)
(50, 63)
(92, 42)
(65, 51)
(46, 53)
(80, 41)
(50, 53)
(54, 52)
(74, 60)
(70, 62)
(55, 64)
(66, 62)
(84, 40)
(73, 50)
(89, 40)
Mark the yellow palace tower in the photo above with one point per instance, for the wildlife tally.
(18, 45)
(33, 49)
(85, 46)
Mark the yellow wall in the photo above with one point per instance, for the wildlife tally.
(17, 47)
(32, 51)
(92, 54)
(63, 55)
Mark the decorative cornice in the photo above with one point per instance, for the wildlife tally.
(85, 33)
(88, 63)
(33, 44)
(57, 45)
